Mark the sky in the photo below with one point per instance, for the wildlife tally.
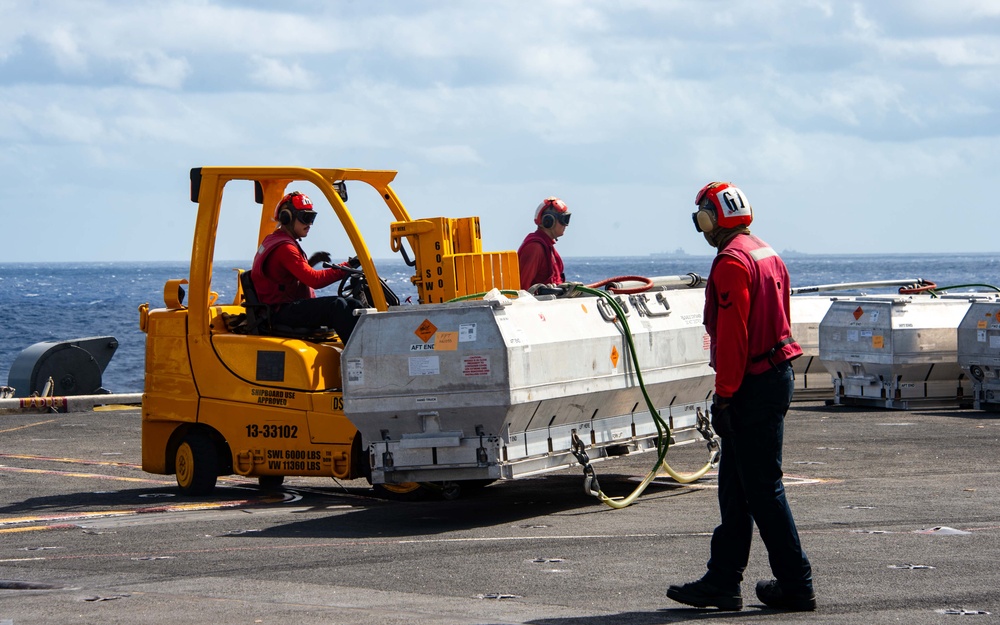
(852, 127)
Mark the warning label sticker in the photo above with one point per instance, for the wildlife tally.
(424, 365)
(355, 371)
(475, 366)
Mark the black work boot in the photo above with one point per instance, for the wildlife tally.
(702, 594)
(774, 596)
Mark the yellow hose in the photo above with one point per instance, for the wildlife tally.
(684, 478)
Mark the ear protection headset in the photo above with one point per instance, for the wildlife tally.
(704, 218)
(294, 200)
(548, 220)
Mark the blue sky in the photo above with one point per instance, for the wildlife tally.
(868, 126)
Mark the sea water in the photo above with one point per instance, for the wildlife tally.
(59, 302)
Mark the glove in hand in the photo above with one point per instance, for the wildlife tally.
(353, 262)
(319, 257)
(722, 416)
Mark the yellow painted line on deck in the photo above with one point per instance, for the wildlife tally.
(36, 528)
(93, 476)
(29, 425)
(64, 519)
(103, 463)
(75, 516)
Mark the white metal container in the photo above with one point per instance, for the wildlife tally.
(499, 388)
(895, 351)
(979, 352)
(812, 380)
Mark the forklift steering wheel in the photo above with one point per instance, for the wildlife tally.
(354, 284)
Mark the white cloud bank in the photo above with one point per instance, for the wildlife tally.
(851, 126)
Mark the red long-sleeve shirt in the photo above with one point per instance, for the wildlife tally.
(287, 260)
(732, 288)
(282, 273)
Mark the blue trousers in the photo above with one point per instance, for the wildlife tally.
(751, 490)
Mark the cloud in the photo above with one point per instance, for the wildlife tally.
(157, 69)
(64, 46)
(630, 103)
(275, 74)
(451, 155)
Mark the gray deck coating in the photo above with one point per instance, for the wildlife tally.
(87, 537)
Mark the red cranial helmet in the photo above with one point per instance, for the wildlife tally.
(721, 205)
(293, 206)
(552, 209)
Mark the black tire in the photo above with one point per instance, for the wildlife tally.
(196, 464)
(270, 482)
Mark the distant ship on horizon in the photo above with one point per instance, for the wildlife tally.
(678, 253)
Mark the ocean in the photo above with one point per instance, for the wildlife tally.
(58, 302)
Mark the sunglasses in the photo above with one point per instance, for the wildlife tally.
(306, 217)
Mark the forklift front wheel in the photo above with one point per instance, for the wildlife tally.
(196, 465)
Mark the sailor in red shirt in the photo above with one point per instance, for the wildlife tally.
(747, 318)
(285, 279)
(538, 260)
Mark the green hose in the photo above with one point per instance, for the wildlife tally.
(662, 428)
(479, 296)
(965, 286)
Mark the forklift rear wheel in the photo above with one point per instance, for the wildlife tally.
(407, 491)
(196, 464)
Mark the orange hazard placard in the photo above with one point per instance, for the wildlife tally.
(614, 356)
(858, 312)
(426, 330)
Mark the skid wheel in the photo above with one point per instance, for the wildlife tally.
(456, 490)
(407, 491)
(196, 465)
(451, 490)
(270, 482)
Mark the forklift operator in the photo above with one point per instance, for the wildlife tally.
(285, 280)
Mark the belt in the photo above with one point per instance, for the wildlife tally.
(774, 350)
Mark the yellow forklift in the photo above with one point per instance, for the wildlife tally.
(224, 395)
